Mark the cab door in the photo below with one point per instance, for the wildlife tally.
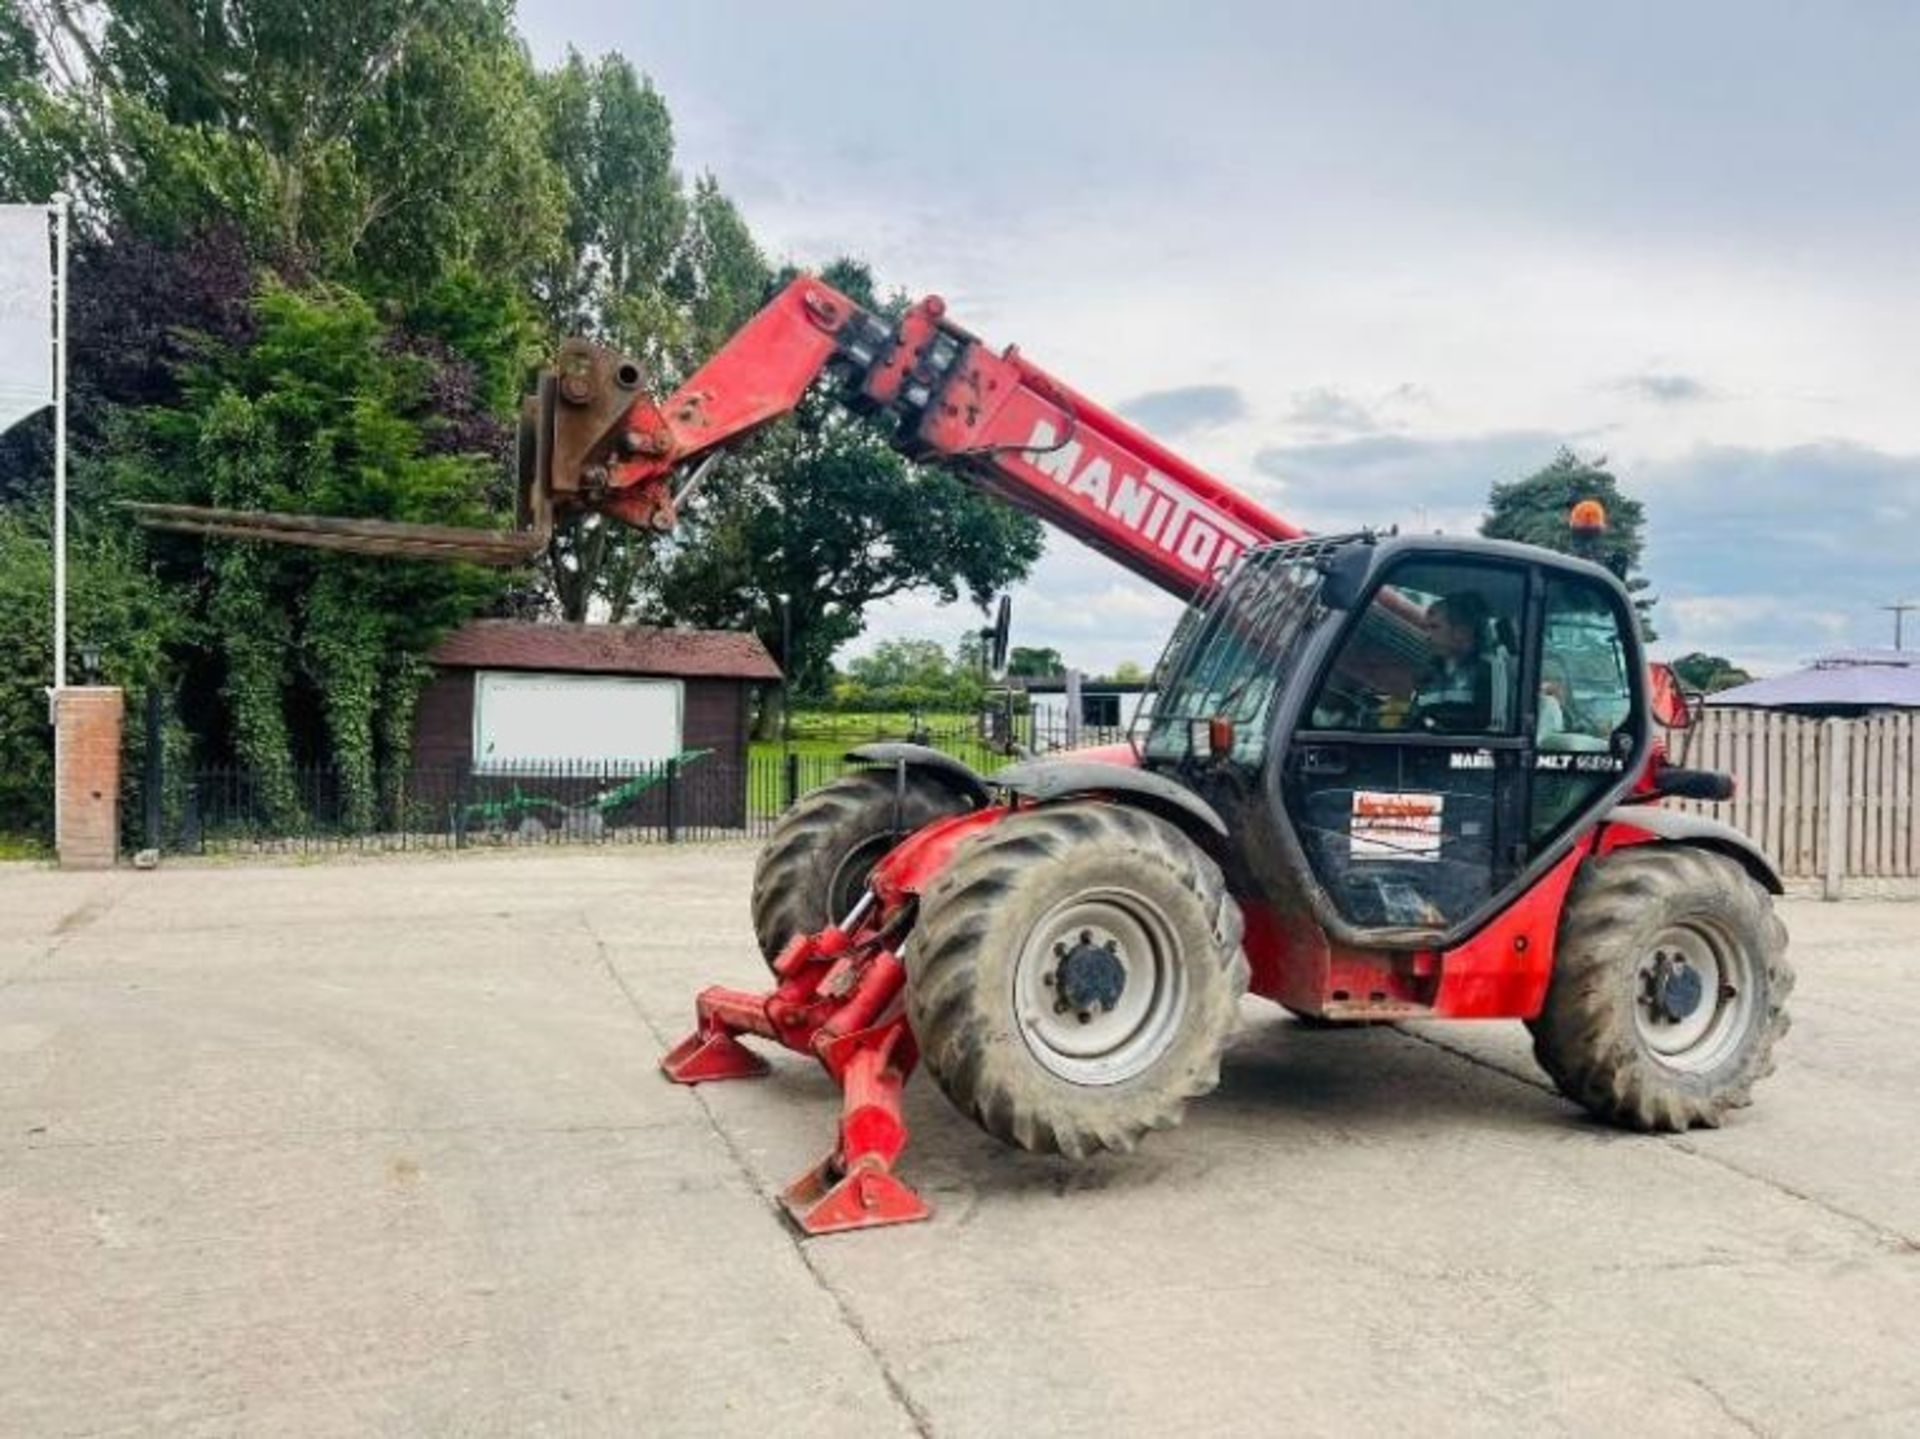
(1407, 774)
(1589, 723)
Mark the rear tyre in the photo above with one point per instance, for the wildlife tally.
(1669, 989)
(1075, 977)
(815, 864)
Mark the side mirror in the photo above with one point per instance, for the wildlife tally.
(1668, 700)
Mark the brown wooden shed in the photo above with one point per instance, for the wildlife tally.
(528, 702)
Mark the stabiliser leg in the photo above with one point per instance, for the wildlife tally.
(855, 1187)
(839, 1001)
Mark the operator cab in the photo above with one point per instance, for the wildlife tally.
(1407, 731)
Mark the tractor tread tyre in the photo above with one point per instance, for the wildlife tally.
(794, 877)
(962, 965)
(1586, 1036)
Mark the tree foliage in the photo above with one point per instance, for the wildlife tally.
(386, 140)
(909, 674)
(1536, 510)
(1709, 674)
(328, 412)
(115, 607)
(659, 272)
(1029, 662)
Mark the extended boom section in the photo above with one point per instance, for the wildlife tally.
(996, 419)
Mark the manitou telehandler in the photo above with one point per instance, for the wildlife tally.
(1382, 778)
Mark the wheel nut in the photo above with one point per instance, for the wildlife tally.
(1047, 980)
(1086, 1017)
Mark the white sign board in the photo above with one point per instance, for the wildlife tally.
(26, 313)
(1396, 826)
(529, 721)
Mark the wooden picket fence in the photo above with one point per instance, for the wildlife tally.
(1827, 799)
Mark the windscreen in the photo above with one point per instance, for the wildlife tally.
(1233, 650)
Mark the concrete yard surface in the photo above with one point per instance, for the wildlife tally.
(381, 1147)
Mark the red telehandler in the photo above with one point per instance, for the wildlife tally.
(1382, 778)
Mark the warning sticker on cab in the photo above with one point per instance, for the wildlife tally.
(1396, 826)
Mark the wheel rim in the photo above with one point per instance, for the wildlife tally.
(1694, 995)
(1098, 988)
(850, 875)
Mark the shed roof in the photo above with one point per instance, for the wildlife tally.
(1858, 679)
(605, 649)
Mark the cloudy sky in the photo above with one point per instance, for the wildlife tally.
(1365, 259)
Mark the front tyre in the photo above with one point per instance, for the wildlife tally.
(1669, 989)
(814, 866)
(1075, 977)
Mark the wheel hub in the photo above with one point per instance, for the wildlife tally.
(1091, 976)
(1674, 988)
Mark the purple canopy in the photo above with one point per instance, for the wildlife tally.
(1850, 679)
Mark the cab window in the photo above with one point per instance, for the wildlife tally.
(1437, 652)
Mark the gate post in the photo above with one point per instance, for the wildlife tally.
(1837, 800)
(86, 775)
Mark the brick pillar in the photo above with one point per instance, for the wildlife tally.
(87, 774)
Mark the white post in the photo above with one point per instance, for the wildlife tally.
(1073, 709)
(1839, 801)
(59, 208)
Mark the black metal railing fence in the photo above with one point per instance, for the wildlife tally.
(698, 796)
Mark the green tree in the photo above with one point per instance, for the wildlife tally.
(115, 610)
(660, 274)
(1128, 672)
(380, 140)
(1029, 662)
(1709, 673)
(326, 411)
(908, 674)
(1535, 511)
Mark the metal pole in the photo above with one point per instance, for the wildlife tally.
(59, 208)
(1899, 615)
(786, 673)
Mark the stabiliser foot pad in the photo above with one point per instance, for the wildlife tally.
(705, 1056)
(826, 1201)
